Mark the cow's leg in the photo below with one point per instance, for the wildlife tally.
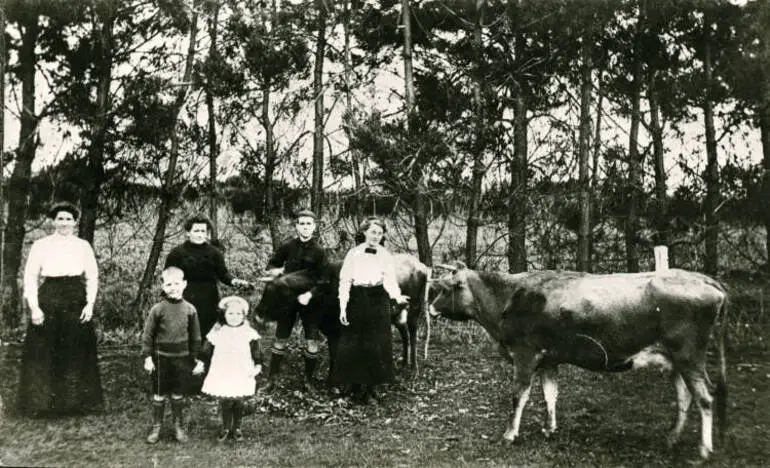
(548, 376)
(411, 326)
(696, 383)
(525, 364)
(402, 332)
(683, 400)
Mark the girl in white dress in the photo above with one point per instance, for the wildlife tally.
(235, 362)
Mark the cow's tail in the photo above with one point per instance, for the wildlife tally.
(721, 388)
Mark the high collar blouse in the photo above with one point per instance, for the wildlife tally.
(367, 266)
(57, 256)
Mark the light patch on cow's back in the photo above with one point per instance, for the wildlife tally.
(650, 356)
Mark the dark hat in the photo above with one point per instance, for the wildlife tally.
(63, 206)
(306, 214)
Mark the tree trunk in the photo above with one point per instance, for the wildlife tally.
(170, 189)
(7, 319)
(764, 125)
(661, 198)
(596, 152)
(419, 203)
(355, 162)
(517, 200)
(270, 213)
(316, 193)
(634, 186)
(212, 130)
(19, 183)
(477, 177)
(711, 260)
(89, 195)
(584, 229)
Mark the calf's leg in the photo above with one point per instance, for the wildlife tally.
(412, 334)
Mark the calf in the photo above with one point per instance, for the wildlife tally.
(280, 294)
(605, 323)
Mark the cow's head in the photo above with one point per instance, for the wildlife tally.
(280, 294)
(450, 295)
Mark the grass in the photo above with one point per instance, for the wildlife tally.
(452, 414)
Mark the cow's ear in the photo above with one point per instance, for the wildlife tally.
(458, 265)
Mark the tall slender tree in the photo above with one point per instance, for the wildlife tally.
(319, 115)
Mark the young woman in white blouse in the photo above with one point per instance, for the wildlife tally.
(367, 284)
(59, 370)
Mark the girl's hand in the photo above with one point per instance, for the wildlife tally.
(37, 316)
(149, 366)
(198, 369)
(304, 298)
(87, 313)
(401, 300)
(257, 369)
(239, 283)
(344, 318)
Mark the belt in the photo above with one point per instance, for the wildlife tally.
(366, 285)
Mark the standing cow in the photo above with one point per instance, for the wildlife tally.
(281, 292)
(605, 323)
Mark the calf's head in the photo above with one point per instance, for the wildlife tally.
(451, 296)
(280, 295)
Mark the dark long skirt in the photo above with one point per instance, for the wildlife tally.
(59, 368)
(365, 350)
(204, 296)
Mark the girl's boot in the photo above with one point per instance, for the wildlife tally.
(237, 417)
(226, 408)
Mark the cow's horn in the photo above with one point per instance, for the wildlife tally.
(265, 279)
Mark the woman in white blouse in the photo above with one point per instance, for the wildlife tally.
(59, 370)
(367, 284)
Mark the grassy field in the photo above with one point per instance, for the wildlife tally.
(452, 414)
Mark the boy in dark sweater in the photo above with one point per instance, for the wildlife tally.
(304, 252)
(170, 345)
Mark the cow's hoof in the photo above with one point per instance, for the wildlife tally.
(548, 433)
(509, 436)
(704, 452)
(672, 441)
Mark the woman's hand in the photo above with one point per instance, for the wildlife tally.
(88, 312)
(344, 318)
(304, 298)
(198, 369)
(149, 366)
(401, 300)
(36, 315)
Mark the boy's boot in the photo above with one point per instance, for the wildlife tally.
(237, 417)
(226, 407)
(276, 358)
(158, 408)
(177, 410)
(311, 362)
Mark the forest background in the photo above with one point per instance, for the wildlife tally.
(512, 135)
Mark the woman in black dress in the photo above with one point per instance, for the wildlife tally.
(204, 267)
(59, 369)
(367, 283)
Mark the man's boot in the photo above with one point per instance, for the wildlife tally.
(276, 358)
(311, 362)
(158, 408)
(237, 417)
(177, 410)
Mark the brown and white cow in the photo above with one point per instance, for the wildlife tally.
(604, 323)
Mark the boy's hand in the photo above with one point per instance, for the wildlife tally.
(257, 369)
(344, 318)
(149, 366)
(239, 283)
(198, 369)
(275, 271)
(304, 298)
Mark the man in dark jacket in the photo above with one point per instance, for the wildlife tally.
(303, 252)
